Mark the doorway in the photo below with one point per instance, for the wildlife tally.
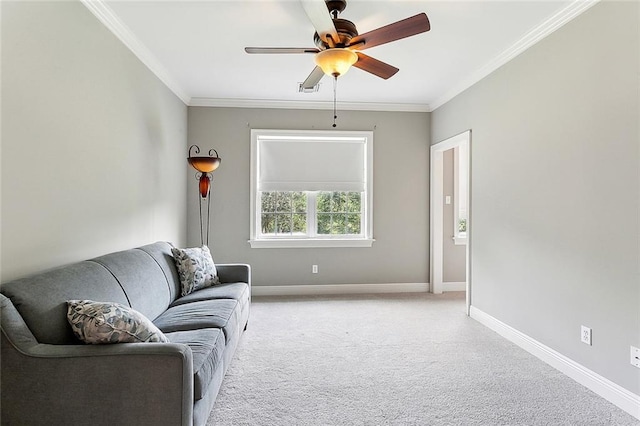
(458, 231)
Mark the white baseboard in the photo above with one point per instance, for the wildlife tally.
(305, 290)
(602, 386)
(454, 286)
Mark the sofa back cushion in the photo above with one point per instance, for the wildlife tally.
(142, 279)
(41, 299)
(161, 253)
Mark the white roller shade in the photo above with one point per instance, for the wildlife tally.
(311, 164)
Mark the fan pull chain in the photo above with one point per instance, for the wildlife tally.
(335, 114)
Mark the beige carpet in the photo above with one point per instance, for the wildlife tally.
(401, 359)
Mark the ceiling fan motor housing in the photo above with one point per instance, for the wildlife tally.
(346, 31)
(336, 6)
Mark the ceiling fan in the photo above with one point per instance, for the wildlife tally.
(339, 46)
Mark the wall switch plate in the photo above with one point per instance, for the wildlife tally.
(585, 335)
(314, 269)
(635, 357)
(447, 199)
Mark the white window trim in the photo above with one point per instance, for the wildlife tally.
(459, 238)
(304, 242)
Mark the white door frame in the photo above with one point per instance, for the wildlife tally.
(436, 256)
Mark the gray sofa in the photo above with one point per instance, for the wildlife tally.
(49, 377)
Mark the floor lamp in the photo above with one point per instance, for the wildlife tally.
(204, 165)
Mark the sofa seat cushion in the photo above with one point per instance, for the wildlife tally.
(207, 346)
(219, 313)
(235, 291)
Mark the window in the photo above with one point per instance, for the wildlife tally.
(311, 189)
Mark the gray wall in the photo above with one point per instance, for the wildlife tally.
(454, 257)
(93, 144)
(555, 187)
(401, 197)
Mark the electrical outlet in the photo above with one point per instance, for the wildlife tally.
(314, 269)
(635, 357)
(585, 335)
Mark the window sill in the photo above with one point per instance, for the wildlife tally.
(311, 243)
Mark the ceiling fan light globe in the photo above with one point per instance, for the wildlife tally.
(336, 61)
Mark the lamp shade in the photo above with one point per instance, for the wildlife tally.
(336, 61)
(204, 164)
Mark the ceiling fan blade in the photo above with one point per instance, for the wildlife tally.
(320, 18)
(405, 28)
(313, 79)
(374, 66)
(281, 50)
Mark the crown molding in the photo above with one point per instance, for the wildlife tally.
(547, 27)
(348, 106)
(106, 15)
(120, 30)
(126, 36)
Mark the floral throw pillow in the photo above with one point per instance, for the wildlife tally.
(107, 322)
(196, 268)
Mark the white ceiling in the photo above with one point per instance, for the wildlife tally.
(197, 48)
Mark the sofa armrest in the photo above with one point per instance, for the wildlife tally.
(234, 272)
(129, 383)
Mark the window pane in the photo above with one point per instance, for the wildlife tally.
(339, 202)
(268, 202)
(324, 223)
(268, 224)
(299, 201)
(283, 203)
(339, 224)
(353, 202)
(299, 223)
(324, 202)
(283, 224)
(353, 224)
